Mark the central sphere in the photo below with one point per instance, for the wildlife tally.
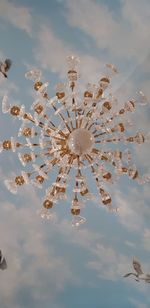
(81, 141)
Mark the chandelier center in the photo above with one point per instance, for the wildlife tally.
(81, 141)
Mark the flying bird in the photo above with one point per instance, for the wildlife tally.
(5, 66)
(146, 278)
(138, 270)
(3, 263)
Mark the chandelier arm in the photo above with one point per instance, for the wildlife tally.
(75, 111)
(68, 115)
(91, 126)
(45, 95)
(105, 197)
(100, 134)
(61, 116)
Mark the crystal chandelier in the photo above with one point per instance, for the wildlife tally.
(71, 133)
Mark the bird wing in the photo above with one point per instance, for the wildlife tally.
(137, 267)
(7, 64)
(3, 264)
(148, 276)
(128, 274)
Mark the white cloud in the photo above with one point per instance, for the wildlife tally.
(51, 53)
(109, 263)
(31, 262)
(146, 239)
(17, 15)
(51, 50)
(137, 304)
(126, 34)
(133, 209)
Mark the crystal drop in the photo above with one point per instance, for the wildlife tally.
(39, 170)
(13, 144)
(41, 143)
(5, 104)
(72, 62)
(147, 177)
(61, 196)
(132, 172)
(36, 184)
(21, 159)
(11, 186)
(127, 155)
(77, 221)
(25, 176)
(139, 138)
(1, 147)
(33, 75)
(22, 112)
(29, 144)
(60, 87)
(47, 215)
(141, 98)
(111, 69)
(43, 88)
(80, 178)
(77, 204)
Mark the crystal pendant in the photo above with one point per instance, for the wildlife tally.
(29, 144)
(11, 186)
(61, 196)
(73, 62)
(78, 220)
(5, 104)
(141, 98)
(33, 75)
(1, 147)
(13, 144)
(47, 215)
(25, 176)
(43, 88)
(39, 171)
(139, 138)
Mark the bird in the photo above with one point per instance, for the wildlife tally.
(3, 263)
(146, 278)
(5, 66)
(138, 270)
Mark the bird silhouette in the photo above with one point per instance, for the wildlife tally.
(3, 263)
(5, 66)
(138, 270)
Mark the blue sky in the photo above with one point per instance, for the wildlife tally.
(53, 265)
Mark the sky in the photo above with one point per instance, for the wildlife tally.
(52, 264)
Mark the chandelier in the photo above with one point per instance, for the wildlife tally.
(76, 134)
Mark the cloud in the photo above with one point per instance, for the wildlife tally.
(137, 304)
(146, 239)
(134, 209)
(109, 263)
(32, 264)
(51, 52)
(124, 35)
(17, 15)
